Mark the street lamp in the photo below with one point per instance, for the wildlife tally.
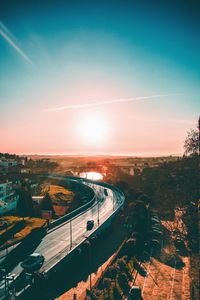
(70, 226)
(98, 211)
(113, 202)
(90, 261)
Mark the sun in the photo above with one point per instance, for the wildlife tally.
(93, 129)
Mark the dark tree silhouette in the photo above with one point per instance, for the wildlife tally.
(47, 204)
(112, 271)
(129, 248)
(116, 294)
(96, 294)
(123, 283)
(107, 283)
(192, 142)
(25, 203)
(122, 263)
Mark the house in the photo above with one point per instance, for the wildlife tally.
(6, 163)
(5, 189)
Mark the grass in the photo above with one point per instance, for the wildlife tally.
(30, 224)
(58, 194)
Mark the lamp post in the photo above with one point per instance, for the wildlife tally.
(98, 211)
(113, 202)
(90, 264)
(70, 226)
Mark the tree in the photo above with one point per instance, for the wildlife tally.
(130, 248)
(122, 263)
(112, 271)
(25, 202)
(96, 294)
(192, 142)
(47, 203)
(107, 283)
(123, 283)
(116, 294)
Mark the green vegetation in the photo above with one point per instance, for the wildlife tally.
(115, 283)
(190, 219)
(172, 184)
(41, 165)
(164, 187)
(192, 141)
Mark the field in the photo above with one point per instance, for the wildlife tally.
(28, 226)
(58, 194)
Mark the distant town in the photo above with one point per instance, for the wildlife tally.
(16, 172)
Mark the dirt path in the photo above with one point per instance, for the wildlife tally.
(173, 284)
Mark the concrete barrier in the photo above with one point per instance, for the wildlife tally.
(77, 211)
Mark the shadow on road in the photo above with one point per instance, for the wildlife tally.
(81, 265)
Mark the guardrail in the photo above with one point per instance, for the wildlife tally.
(106, 223)
(75, 212)
(86, 206)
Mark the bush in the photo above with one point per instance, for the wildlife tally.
(123, 283)
(107, 283)
(122, 263)
(96, 294)
(112, 271)
(116, 294)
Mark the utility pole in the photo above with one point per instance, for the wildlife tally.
(90, 262)
(113, 202)
(70, 224)
(90, 265)
(98, 211)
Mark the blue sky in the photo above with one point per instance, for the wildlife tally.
(62, 53)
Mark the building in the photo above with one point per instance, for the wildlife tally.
(6, 163)
(5, 189)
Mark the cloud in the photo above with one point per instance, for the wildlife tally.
(106, 102)
(9, 38)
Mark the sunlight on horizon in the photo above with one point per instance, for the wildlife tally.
(92, 175)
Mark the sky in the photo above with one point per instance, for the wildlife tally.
(98, 77)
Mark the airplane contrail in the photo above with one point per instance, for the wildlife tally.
(105, 102)
(6, 34)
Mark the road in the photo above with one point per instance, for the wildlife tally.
(57, 243)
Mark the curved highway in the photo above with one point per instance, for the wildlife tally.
(62, 240)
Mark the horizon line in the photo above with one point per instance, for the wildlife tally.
(137, 154)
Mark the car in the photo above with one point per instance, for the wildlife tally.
(33, 262)
(135, 293)
(90, 224)
(179, 243)
(105, 192)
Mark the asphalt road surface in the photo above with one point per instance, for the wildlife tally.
(58, 243)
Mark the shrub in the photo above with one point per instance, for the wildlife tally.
(123, 283)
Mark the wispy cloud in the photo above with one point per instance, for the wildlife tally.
(106, 102)
(9, 38)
